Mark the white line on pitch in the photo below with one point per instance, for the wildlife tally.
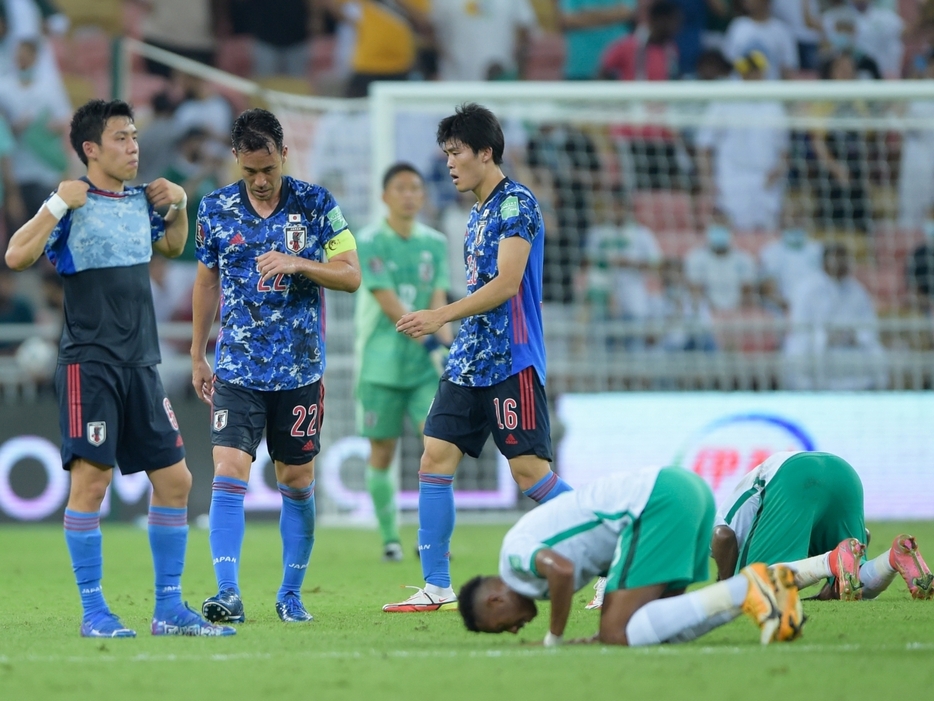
(663, 650)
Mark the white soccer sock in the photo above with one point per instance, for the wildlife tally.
(810, 570)
(686, 617)
(441, 592)
(876, 575)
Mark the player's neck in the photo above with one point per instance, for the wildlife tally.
(493, 178)
(265, 208)
(102, 181)
(401, 225)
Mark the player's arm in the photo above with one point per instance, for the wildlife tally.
(163, 193)
(558, 571)
(725, 551)
(28, 243)
(438, 299)
(511, 260)
(341, 271)
(205, 297)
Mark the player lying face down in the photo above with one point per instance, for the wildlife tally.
(647, 532)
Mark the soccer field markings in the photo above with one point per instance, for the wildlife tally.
(660, 650)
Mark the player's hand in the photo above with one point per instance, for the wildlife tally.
(420, 323)
(162, 193)
(202, 379)
(74, 192)
(273, 263)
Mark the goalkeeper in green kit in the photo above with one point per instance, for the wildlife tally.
(404, 265)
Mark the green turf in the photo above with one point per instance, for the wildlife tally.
(879, 649)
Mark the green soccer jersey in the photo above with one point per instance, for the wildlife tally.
(413, 268)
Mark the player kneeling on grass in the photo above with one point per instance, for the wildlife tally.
(805, 509)
(647, 532)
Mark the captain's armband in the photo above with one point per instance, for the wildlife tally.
(341, 243)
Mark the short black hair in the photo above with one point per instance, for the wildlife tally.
(466, 602)
(90, 120)
(475, 126)
(255, 130)
(400, 167)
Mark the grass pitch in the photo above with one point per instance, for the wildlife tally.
(877, 649)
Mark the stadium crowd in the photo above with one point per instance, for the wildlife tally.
(680, 230)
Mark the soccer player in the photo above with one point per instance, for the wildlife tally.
(647, 531)
(805, 509)
(267, 244)
(494, 378)
(404, 267)
(99, 235)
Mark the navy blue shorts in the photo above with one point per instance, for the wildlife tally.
(515, 411)
(291, 418)
(115, 415)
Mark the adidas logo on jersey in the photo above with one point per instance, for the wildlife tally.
(310, 445)
(237, 239)
(511, 440)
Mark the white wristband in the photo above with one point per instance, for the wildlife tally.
(56, 206)
(182, 204)
(552, 640)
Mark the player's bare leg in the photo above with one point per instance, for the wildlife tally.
(297, 528)
(436, 524)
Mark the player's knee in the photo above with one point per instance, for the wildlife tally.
(614, 634)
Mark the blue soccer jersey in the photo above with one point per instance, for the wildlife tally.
(271, 335)
(102, 251)
(501, 342)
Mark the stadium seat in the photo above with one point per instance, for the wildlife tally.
(675, 243)
(235, 55)
(89, 51)
(143, 86)
(753, 241)
(663, 209)
(322, 55)
(545, 59)
(746, 330)
(105, 14)
(885, 284)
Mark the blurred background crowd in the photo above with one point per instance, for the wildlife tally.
(745, 234)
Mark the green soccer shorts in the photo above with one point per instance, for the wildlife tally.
(381, 410)
(813, 502)
(669, 542)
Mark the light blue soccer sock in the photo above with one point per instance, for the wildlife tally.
(168, 540)
(547, 488)
(436, 525)
(227, 525)
(83, 537)
(297, 527)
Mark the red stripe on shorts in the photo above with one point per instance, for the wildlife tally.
(74, 401)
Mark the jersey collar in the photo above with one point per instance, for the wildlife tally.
(283, 198)
(495, 191)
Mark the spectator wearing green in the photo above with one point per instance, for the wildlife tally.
(197, 167)
(404, 266)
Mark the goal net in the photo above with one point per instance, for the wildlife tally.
(705, 235)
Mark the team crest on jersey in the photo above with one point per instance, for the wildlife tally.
(296, 236)
(376, 265)
(220, 419)
(97, 432)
